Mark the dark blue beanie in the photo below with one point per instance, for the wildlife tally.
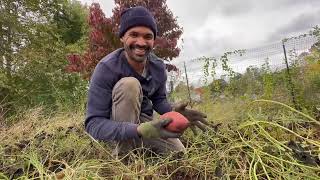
(137, 16)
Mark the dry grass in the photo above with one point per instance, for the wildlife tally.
(260, 140)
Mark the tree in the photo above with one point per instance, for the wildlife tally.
(32, 52)
(103, 37)
(17, 20)
(43, 80)
(71, 21)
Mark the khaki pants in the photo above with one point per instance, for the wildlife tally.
(126, 106)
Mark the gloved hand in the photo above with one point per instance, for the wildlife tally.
(156, 129)
(196, 118)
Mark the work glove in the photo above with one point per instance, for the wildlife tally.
(156, 129)
(196, 118)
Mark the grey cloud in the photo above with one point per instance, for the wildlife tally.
(302, 23)
(277, 5)
(299, 2)
(236, 7)
(208, 46)
(191, 14)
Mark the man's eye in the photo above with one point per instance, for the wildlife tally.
(133, 35)
(148, 37)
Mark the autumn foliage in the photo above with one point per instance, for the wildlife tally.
(103, 38)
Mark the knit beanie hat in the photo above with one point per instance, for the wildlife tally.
(137, 16)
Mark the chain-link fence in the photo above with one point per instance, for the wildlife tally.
(273, 54)
(284, 71)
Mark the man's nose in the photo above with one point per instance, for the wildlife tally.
(141, 41)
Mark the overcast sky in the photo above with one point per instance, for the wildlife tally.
(212, 27)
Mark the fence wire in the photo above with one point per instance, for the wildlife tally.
(273, 54)
(255, 59)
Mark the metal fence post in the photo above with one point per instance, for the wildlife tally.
(292, 91)
(185, 71)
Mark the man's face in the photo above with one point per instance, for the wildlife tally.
(138, 43)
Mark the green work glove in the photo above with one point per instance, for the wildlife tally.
(196, 118)
(156, 129)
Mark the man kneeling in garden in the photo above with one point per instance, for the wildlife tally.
(125, 88)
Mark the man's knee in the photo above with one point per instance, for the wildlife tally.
(128, 86)
(165, 146)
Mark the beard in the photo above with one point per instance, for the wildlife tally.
(137, 53)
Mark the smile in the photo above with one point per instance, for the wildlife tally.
(139, 51)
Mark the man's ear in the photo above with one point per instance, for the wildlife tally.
(121, 39)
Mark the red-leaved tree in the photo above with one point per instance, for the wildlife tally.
(103, 38)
